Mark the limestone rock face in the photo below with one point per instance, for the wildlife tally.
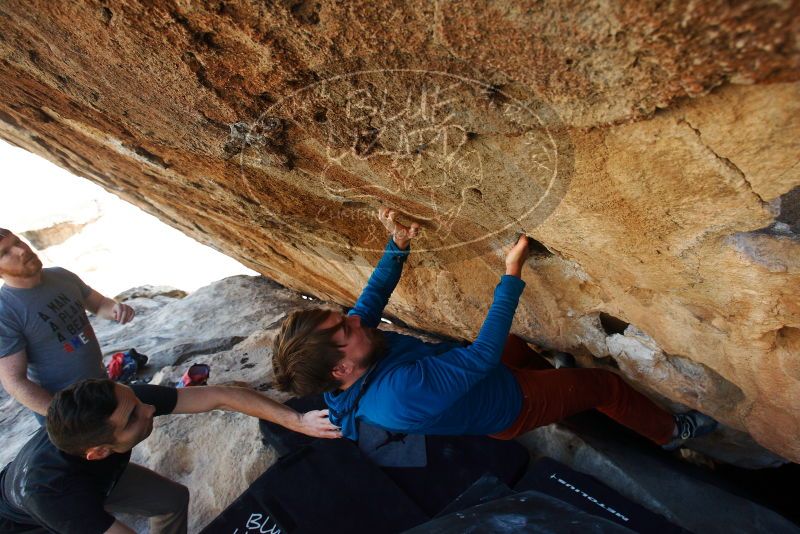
(210, 320)
(652, 150)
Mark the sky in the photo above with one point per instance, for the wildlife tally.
(119, 247)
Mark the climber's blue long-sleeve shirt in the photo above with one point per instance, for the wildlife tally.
(432, 388)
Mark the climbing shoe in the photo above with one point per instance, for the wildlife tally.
(692, 424)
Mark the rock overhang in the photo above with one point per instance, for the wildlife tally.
(668, 139)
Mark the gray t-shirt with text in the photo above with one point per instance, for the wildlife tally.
(49, 322)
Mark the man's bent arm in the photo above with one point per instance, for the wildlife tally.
(249, 402)
(381, 284)
(438, 381)
(107, 308)
(100, 305)
(14, 377)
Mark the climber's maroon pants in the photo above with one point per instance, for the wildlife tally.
(550, 395)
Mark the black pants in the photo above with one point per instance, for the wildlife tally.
(139, 491)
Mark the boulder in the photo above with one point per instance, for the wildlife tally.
(213, 319)
(651, 152)
(230, 325)
(149, 292)
(198, 450)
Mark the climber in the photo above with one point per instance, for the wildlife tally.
(71, 477)
(46, 341)
(402, 384)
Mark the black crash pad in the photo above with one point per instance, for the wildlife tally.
(592, 496)
(327, 486)
(522, 513)
(454, 463)
(485, 489)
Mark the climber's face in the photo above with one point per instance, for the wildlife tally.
(359, 344)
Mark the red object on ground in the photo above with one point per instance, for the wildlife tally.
(550, 395)
(115, 366)
(196, 375)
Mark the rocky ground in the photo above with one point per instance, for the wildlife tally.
(230, 325)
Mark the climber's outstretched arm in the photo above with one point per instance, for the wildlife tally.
(381, 284)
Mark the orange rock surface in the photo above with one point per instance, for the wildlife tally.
(652, 150)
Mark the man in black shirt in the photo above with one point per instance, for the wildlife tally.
(71, 477)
